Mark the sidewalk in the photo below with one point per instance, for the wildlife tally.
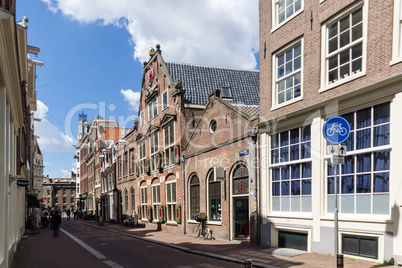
(44, 250)
(230, 250)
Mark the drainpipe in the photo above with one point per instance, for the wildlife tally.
(183, 161)
(254, 136)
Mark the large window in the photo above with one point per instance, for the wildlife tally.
(132, 169)
(154, 147)
(288, 74)
(214, 199)
(286, 9)
(132, 201)
(144, 201)
(194, 196)
(126, 201)
(125, 164)
(142, 119)
(156, 200)
(171, 200)
(364, 179)
(120, 166)
(344, 46)
(141, 149)
(152, 109)
(168, 133)
(291, 170)
(165, 100)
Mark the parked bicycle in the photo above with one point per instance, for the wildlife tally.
(202, 228)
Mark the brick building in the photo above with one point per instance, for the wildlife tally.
(321, 59)
(221, 166)
(149, 162)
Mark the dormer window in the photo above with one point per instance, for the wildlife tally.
(226, 92)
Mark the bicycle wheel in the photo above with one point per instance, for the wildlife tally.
(196, 231)
(330, 132)
(205, 232)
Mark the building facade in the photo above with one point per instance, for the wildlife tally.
(17, 102)
(149, 161)
(221, 168)
(321, 59)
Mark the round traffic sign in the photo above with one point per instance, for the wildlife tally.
(336, 129)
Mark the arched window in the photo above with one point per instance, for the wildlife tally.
(194, 196)
(240, 180)
(214, 199)
(132, 202)
(126, 201)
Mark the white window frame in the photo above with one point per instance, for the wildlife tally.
(275, 14)
(144, 202)
(132, 164)
(165, 106)
(303, 198)
(153, 149)
(169, 147)
(152, 106)
(142, 119)
(325, 85)
(275, 80)
(156, 200)
(210, 180)
(370, 150)
(170, 203)
(397, 34)
(143, 155)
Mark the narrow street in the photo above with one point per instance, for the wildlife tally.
(117, 250)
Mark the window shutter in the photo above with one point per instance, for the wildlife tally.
(158, 160)
(146, 162)
(164, 213)
(149, 213)
(162, 153)
(139, 211)
(177, 214)
(160, 213)
(137, 170)
(176, 152)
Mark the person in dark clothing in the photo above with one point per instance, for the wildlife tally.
(68, 214)
(56, 221)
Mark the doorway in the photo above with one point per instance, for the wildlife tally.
(241, 218)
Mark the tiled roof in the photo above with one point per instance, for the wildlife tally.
(199, 81)
(250, 110)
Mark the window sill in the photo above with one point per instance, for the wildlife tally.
(363, 218)
(155, 221)
(287, 103)
(292, 215)
(144, 220)
(173, 223)
(341, 82)
(395, 61)
(287, 20)
(218, 223)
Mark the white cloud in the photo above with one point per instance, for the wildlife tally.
(133, 98)
(51, 139)
(65, 173)
(222, 33)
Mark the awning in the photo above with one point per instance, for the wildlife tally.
(83, 197)
(33, 202)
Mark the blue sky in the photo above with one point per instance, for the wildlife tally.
(93, 51)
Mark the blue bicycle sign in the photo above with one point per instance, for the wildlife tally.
(336, 129)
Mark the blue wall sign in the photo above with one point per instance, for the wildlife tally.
(336, 129)
(243, 153)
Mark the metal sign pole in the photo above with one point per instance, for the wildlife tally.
(336, 216)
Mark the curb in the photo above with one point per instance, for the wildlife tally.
(184, 249)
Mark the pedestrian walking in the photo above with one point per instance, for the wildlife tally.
(45, 214)
(56, 222)
(75, 214)
(68, 214)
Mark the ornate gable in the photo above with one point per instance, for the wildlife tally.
(167, 118)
